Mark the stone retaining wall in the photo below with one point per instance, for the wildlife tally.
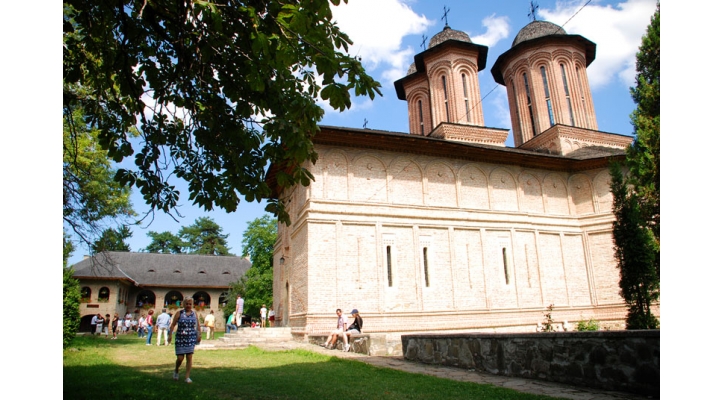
(615, 360)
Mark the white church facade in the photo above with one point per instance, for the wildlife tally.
(444, 228)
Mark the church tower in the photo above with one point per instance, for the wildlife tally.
(443, 92)
(545, 76)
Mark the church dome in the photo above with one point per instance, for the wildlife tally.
(447, 34)
(537, 29)
(412, 69)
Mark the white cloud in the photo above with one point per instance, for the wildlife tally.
(617, 31)
(497, 28)
(377, 28)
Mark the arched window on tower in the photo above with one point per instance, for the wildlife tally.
(566, 93)
(420, 114)
(528, 104)
(547, 96)
(581, 88)
(516, 106)
(445, 98)
(465, 97)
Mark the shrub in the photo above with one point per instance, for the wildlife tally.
(591, 325)
(71, 306)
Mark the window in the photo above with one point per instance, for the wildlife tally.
(389, 263)
(581, 87)
(505, 265)
(103, 295)
(445, 98)
(516, 105)
(85, 294)
(528, 104)
(465, 97)
(425, 266)
(425, 242)
(388, 255)
(547, 96)
(420, 114)
(566, 93)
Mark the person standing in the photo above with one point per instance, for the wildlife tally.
(94, 322)
(209, 323)
(106, 321)
(239, 312)
(187, 336)
(162, 325)
(114, 325)
(99, 324)
(149, 327)
(263, 315)
(271, 316)
(141, 326)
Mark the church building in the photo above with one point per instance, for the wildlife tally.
(444, 228)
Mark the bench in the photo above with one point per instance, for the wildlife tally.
(359, 342)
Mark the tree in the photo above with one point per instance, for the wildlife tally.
(258, 242)
(89, 192)
(218, 90)
(164, 242)
(636, 197)
(113, 240)
(636, 252)
(71, 296)
(204, 236)
(643, 157)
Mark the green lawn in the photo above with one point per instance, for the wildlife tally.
(95, 367)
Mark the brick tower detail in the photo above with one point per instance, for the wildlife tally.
(443, 91)
(546, 81)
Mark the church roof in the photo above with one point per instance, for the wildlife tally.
(154, 269)
(448, 34)
(536, 34)
(537, 29)
(440, 42)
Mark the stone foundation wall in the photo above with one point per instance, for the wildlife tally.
(622, 360)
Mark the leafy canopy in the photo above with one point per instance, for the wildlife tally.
(164, 242)
(256, 285)
(204, 236)
(113, 240)
(218, 90)
(89, 192)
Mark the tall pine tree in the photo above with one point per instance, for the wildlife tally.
(636, 205)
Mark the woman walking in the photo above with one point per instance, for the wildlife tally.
(187, 336)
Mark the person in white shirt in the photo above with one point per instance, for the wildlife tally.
(240, 310)
(339, 331)
(263, 315)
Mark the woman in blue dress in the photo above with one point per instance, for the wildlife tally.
(187, 336)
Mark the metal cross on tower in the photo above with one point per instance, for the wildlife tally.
(422, 45)
(445, 14)
(532, 10)
(365, 124)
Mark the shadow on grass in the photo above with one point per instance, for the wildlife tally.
(130, 370)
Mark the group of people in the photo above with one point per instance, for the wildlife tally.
(344, 329)
(100, 324)
(236, 319)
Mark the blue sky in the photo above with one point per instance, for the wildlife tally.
(388, 33)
